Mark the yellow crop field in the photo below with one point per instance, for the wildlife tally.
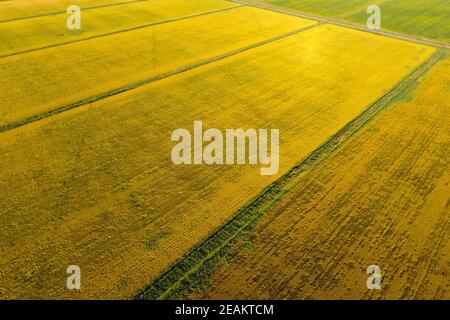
(96, 184)
(40, 81)
(224, 149)
(382, 199)
(18, 9)
(31, 34)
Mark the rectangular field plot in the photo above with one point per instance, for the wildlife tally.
(37, 82)
(382, 199)
(323, 8)
(23, 9)
(31, 34)
(95, 185)
(422, 18)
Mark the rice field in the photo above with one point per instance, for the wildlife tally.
(382, 199)
(22, 9)
(427, 19)
(32, 34)
(86, 176)
(323, 8)
(126, 59)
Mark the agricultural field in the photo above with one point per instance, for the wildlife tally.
(40, 32)
(428, 19)
(382, 199)
(86, 136)
(323, 8)
(127, 59)
(22, 9)
(122, 180)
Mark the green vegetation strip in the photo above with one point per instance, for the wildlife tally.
(140, 83)
(191, 272)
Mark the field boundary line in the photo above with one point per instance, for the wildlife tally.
(140, 83)
(54, 13)
(142, 26)
(191, 271)
(341, 23)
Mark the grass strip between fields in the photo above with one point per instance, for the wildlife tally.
(64, 12)
(40, 116)
(142, 26)
(191, 272)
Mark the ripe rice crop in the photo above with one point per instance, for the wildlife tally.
(40, 81)
(95, 184)
(382, 199)
(50, 30)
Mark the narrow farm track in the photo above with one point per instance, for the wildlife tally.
(196, 266)
(138, 84)
(122, 31)
(64, 12)
(341, 23)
